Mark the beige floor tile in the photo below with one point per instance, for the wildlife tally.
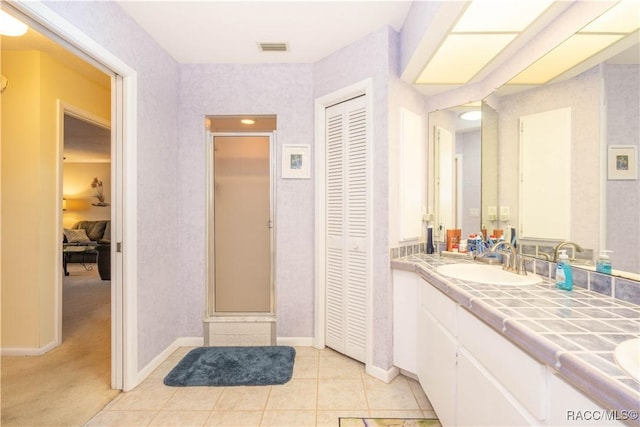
(243, 398)
(180, 419)
(421, 397)
(397, 414)
(297, 394)
(396, 395)
(339, 367)
(194, 399)
(307, 351)
(339, 394)
(289, 419)
(234, 419)
(429, 414)
(150, 395)
(331, 418)
(165, 367)
(328, 352)
(305, 367)
(122, 418)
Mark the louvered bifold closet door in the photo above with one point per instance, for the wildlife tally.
(347, 219)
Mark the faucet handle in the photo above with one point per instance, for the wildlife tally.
(519, 263)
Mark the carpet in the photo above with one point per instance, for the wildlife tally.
(233, 366)
(389, 422)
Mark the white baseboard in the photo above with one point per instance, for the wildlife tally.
(382, 374)
(28, 351)
(295, 341)
(157, 361)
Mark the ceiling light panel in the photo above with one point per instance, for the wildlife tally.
(565, 56)
(462, 56)
(484, 16)
(622, 18)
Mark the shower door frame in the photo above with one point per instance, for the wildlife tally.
(210, 310)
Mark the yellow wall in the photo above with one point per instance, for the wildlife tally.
(76, 188)
(31, 161)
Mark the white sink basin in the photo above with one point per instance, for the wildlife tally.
(627, 355)
(487, 274)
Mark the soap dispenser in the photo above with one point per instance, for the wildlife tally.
(564, 276)
(604, 263)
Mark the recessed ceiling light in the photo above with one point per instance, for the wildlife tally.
(10, 26)
(471, 115)
(247, 121)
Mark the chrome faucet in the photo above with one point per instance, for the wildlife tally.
(556, 249)
(512, 261)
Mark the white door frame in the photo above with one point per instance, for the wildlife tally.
(364, 87)
(124, 348)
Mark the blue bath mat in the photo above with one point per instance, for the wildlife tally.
(233, 366)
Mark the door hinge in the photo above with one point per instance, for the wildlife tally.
(119, 247)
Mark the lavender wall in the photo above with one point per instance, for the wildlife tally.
(161, 297)
(283, 90)
(622, 86)
(369, 58)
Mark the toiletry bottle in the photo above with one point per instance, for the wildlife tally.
(564, 276)
(604, 263)
(430, 248)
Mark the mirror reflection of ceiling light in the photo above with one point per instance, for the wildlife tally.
(471, 115)
(10, 26)
(247, 121)
(618, 22)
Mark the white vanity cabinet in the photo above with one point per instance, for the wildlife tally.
(474, 376)
(405, 323)
(437, 348)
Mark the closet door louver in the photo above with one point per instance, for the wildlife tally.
(347, 219)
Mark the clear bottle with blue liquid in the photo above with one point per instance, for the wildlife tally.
(564, 276)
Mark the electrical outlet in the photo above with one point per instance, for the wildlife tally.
(504, 213)
(474, 213)
(492, 213)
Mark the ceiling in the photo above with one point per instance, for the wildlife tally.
(217, 31)
(85, 142)
(229, 31)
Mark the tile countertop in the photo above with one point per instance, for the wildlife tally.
(575, 333)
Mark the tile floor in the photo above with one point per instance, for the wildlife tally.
(325, 386)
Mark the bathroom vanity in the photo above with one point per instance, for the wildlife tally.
(512, 355)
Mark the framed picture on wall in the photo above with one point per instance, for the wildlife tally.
(623, 162)
(295, 161)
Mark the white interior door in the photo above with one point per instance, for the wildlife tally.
(445, 180)
(347, 249)
(545, 175)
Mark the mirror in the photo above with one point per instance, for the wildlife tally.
(605, 106)
(462, 204)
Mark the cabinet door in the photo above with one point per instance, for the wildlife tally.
(347, 227)
(405, 319)
(570, 407)
(482, 401)
(436, 366)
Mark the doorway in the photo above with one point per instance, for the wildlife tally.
(123, 95)
(241, 250)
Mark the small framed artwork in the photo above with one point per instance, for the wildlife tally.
(295, 161)
(623, 162)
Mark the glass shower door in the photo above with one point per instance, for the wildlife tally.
(242, 224)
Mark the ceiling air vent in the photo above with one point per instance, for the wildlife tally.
(273, 47)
